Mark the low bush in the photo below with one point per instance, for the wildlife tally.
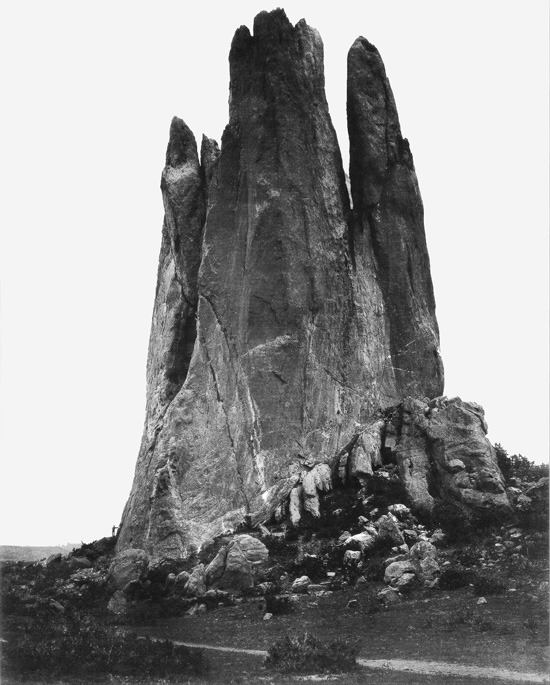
(311, 566)
(453, 519)
(489, 585)
(517, 466)
(454, 578)
(77, 645)
(278, 605)
(306, 654)
(374, 569)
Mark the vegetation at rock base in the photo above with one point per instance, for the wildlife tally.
(78, 644)
(307, 654)
(517, 466)
(370, 565)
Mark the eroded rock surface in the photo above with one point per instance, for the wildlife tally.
(287, 321)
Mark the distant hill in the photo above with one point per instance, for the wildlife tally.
(23, 553)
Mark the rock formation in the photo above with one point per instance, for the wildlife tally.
(285, 322)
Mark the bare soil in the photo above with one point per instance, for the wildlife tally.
(434, 626)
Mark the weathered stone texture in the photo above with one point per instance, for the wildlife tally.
(283, 320)
(442, 450)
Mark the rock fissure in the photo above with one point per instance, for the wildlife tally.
(284, 317)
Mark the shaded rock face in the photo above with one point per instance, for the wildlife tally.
(442, 450)
(283, 320)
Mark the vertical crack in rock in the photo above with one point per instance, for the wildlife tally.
(283, 319)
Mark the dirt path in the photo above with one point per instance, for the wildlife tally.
(420, 667)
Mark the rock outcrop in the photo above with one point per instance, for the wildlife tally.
(286, 321)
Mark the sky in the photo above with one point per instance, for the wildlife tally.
(89, 90)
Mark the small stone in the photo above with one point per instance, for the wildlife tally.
(388, 596)
(268, 616)
(300, 585)
(481, 600)
(351, 557)
(352, 603)
(57, 606)
(342, 539)
(331, 574)
(400, 510)
(197, 609)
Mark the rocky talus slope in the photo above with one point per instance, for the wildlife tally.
(294, 335)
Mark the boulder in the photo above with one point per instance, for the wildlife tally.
(406, 583)
(237, 565)
(295, 504)
(196, 584)
(181, 582)
(300, 585)
(351, 557)
(444, 442)
(400, 511)
(313, 482)
(366, 454)
(396, 569)
(77, 563)
(118, 604)
(365, 541)
(131, 564)
(388, 530)
(388, 596)
(254, 550)
(53, 559)
(237, 575)
(423, 559)
(216, 568)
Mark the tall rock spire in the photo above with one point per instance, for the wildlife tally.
(388, 231)
(311, 319)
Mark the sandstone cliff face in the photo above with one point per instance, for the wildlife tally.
(284, 321)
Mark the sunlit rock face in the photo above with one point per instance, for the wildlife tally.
(284, 320)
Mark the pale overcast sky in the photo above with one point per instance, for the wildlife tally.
(89, 90)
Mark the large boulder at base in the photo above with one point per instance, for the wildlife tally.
(237, 575)
(283, 320)
(441, 448)
(254, 550)
(129, 565)
(237, 565)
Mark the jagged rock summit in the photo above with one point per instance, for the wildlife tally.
(286, 323)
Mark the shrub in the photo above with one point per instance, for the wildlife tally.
(311, 566)
(454, 520)
(454, 578)
(307, 654)
(517, 466)
(77, 645)
(278, 605)
(374, 569)
(489, 585)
